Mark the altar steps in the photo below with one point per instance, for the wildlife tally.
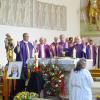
(96, 70)
(95, 74)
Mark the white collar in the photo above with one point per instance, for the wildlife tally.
(42, 44)
(25, 42)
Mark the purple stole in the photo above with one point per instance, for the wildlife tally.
(24, 55)
(24, 52)
(79, 50)
(46, 51)
(93, 54)
(99, 57)
(61, 47)
(54, 49)
(39, 51)
(70, 45)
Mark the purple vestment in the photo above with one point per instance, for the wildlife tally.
(46, 51)
(94, 53)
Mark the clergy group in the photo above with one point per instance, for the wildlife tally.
(61, 46)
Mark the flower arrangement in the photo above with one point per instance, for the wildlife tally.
(53, 75)
(26, 96)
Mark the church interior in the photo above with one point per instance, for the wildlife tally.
(50, 50)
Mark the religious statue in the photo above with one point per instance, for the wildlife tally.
(94, 13)
(9, 46)
(83, 10)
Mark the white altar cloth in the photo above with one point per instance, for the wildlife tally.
(66, 63)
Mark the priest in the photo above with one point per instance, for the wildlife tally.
(23, 52)
(70, 47)
(43, 49)
(81, 48)
(62, 46)
(54, 47)
(93, 51)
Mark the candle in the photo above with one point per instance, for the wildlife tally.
(74, 53)
(33, 53)
(36, 58)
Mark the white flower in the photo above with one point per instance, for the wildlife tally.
(59, 80)
(61, 76)
(56, 85)
(53, 66)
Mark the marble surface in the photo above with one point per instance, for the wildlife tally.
(66, 63)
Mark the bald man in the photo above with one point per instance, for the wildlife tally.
(43, 49)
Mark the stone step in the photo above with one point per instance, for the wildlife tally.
(96, 78)
(96, 89)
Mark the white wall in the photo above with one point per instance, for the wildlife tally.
(73, 27)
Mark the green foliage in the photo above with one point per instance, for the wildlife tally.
(53, 75)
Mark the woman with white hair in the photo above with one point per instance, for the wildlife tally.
(80, 82)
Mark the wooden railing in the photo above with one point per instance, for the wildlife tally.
(95, 74)
(6, 86)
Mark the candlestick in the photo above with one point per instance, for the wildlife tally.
(36, 62)
(74, 53)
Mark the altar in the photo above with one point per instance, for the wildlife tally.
(66, 64)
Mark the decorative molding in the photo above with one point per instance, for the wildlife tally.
(32, 13)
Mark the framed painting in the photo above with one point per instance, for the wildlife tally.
(14, 70)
